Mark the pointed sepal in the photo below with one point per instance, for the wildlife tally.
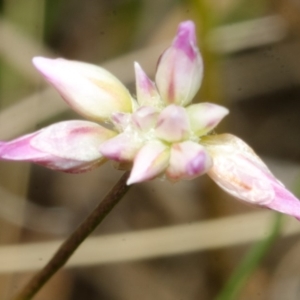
(146, 91)
(150, 161)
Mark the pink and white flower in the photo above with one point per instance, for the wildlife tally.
(157, 134)
(241, 173)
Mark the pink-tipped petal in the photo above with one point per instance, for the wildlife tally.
(187, 161)
(204, 117)
(144, 118)
(241, 173)
(285, 202)
(20, 149)
(172, 124)
(121, 120)
(90, 90)
(146, 91)
(150, 161)
(122, 148)
(180, 68)
(70, 146)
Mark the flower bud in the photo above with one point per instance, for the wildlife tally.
(70, 146)
(241, 173)
(180, 68)
(90, 90)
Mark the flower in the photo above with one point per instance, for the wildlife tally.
(160, 133)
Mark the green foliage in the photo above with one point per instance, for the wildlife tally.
(250, 262)
(245, 10)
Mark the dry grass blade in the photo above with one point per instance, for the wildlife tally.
(12, 40)
(146, 244)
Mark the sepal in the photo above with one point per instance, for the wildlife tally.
(147, 93)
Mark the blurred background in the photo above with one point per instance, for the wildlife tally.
(163, 241)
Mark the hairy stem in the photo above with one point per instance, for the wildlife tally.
(66, 250)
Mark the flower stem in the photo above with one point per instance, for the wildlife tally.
(75, 239)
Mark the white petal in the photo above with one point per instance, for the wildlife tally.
(120, 120)
(241, 173)
(188, 160)
(204, 117)
(90, 90)
(144, 118)
(172, 124)
(180, 68)
(151, 161)
(70, 146)
(122, 148)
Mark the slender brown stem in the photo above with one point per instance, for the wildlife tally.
(76, 238)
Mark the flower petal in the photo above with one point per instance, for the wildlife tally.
(187, 161)
(146, 91)
(151, 160)
(204, 117)
(180, 69)
(122, 147)
(241, 173)
(70, 146)
(120, 120)
(20, 149)
(172, 124)
(285, 202)
(144, 118)
(90, 90)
